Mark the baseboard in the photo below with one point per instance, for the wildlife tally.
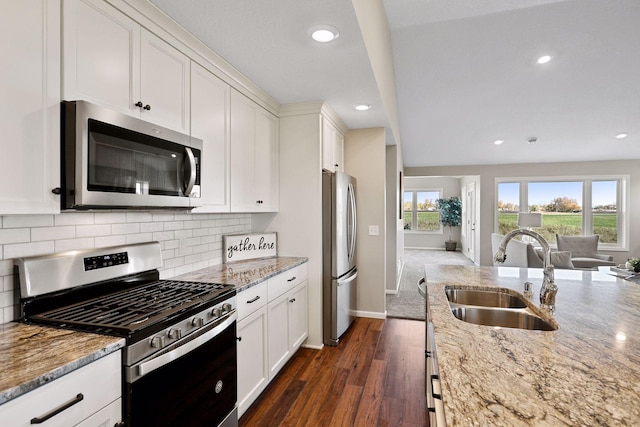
(313, 347)
(430, 249)
(371, 314)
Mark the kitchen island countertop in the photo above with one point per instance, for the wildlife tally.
(244, 274)
(32, 356)
(585, 373)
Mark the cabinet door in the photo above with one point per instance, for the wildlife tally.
(30, 107)
(109, 416)
(338, 151)
(278, 332)
(332, 147)
(210, 122)
(164, 83)
(87, 390)
(243, 126)
(298, 330)
(253, 373)
(266, 161)
(327, 146)
(101, 56)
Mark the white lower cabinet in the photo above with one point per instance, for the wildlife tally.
(91, 394)
(269, 333)
(253, 374)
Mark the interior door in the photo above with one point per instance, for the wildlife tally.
(471, 221)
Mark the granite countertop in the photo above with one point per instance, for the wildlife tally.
(244, 274)
(31, 356)
(585, 373)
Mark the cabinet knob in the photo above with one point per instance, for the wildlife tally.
(292, 300)
(337, 165)
(56, 190)
(239, 338)
(147, 107)
(139, 104)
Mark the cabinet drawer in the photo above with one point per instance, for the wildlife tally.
(93, 386)
(286, 281)
(252, 299)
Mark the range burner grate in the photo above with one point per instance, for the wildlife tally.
(134, 309)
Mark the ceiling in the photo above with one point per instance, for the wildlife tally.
(465, 71)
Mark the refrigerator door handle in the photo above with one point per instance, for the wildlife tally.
(354, 222)
(348, 279)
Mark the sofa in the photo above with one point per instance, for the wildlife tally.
(521, 254)
(584, 251)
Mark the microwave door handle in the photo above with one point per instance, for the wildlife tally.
(190, 171)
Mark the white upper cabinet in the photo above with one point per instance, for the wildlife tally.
(110, 59)
(30, 107)
(254, 157)
(210, 122)
(332, 147)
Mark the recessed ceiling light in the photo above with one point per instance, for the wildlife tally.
(544, 59)
(324, 33)
(621, 135)
(498, 141)
(362, 107)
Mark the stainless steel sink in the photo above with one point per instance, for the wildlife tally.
(500, 317)
(484, 298)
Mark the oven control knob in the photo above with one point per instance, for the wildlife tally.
(197, 322)
(175, 333)
(216, 312)
(226, 307)
(157, 342)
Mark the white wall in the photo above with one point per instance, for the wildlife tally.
(365, 159)
(392, 234)
(489, 173)
(188, 241)
(450, 187)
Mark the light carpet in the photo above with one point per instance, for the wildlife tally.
(408, 303)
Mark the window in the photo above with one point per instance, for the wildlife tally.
(421, 212)
(564, 204)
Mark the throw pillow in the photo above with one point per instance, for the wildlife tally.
(579, 246)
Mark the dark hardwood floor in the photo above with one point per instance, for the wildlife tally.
(375, 377)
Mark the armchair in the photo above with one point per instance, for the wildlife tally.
(584, 251)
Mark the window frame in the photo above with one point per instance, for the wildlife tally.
(623, 217)
(414, 210)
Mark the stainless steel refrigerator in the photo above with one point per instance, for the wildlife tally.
(339, 284)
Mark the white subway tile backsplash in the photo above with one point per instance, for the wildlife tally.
(106, 241)
(15, 235)
(189, 241)
(74, 218)
(28, 249)
(125, 228)
(74, 244)
(20, 221)
(163, 235)
(139, 217)
(174, 225)
(150, 227)
(93, 230)
(163, 216)
(6, 299)
(53, 233)
(110, 217)
(139, 238)
(6, 267)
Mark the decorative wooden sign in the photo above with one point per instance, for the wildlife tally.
(239, 247)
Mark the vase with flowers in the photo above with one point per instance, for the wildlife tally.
(633, 264)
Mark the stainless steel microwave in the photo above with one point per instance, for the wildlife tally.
(114, 161)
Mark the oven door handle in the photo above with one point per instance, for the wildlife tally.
(145, 368)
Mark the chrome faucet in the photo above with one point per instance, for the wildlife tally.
(549, 288)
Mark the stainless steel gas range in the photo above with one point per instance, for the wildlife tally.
(179, 362)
